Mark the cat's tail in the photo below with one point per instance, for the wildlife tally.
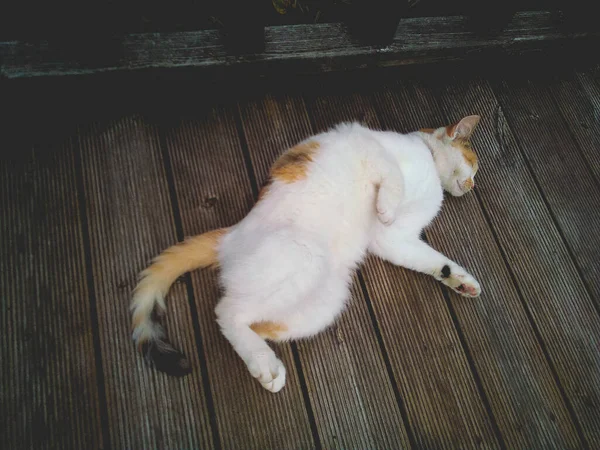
(148, 302)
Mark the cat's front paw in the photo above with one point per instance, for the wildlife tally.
(268, 370)
(460, 281)
(387, 204)
(386, 217)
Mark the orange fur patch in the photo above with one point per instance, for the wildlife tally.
(214, 237)
(428, 130)
(293, 164)
(468, 153)
(268, 329)
(200, 250)
(263, 192)
(194, 252)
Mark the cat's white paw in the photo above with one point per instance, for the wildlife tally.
(387, 204)
(461, 282)
(268, 370)
(386, 217)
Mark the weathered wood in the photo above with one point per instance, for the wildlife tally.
(519, 382)
(578, 99)
(541, 210)
(352, 397)
(213, 190)
(570, 327)
(315, 47)
(568, 185)
(430, 367)
(130, 221)
(49, 385)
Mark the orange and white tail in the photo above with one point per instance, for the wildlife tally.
(149, 298)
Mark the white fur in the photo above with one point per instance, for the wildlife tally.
(291, 259)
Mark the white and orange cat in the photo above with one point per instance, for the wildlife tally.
(285, 269)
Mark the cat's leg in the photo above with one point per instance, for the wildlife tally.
(262, 284)
(388, 199)
(385, 173)
(302, 319)
(260, 359)
(412, 253)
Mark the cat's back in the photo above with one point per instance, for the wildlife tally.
(318, 189)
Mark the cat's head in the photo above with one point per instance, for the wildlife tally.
(454, 157)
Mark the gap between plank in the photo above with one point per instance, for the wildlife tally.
(461, 337)
(375, 324)
(547, 205)
(520, 295)
(87, 250)
(210, 406)
(254, 185)
(533, 325)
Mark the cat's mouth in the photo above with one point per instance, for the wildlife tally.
(461, 190)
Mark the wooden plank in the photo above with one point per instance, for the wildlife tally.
(49, 378)
(578, 99)
(213, 191)
(351, 394)
(430, 367)
(567, 187)
(311, 47)
(520, 383)
(130, 221)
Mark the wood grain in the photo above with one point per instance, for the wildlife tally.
(569, 187)
(48, 389)
(349, 389)
(569, 191)
(306, 47)
(577, 98)
(130, 221)
(213, 190)
(502, 354)
(430, 367)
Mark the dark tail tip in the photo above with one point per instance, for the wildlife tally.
(165, 358)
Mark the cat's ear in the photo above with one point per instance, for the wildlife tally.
(463, 129)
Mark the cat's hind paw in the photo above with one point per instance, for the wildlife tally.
(268, 370)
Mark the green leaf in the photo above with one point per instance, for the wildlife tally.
(281, 6)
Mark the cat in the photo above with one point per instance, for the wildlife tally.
(286, 268)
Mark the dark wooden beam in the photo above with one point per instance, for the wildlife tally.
(304, 48)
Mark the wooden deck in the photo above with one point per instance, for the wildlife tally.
(89, 196)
